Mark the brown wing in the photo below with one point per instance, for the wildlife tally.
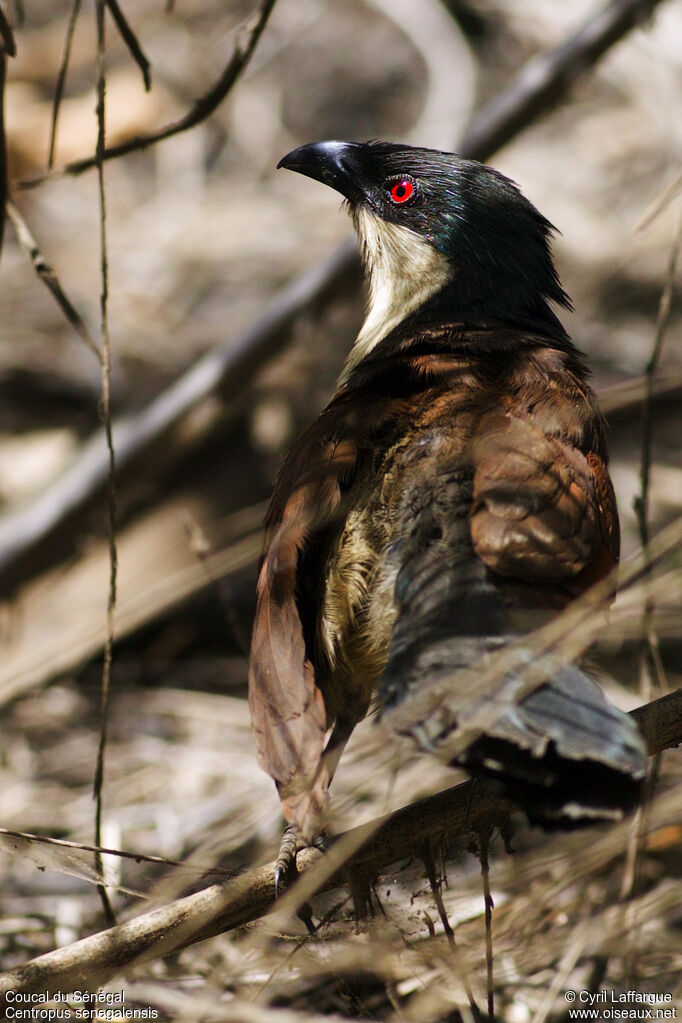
(287, 709)
(542, 510)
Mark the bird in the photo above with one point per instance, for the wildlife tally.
(451, 498)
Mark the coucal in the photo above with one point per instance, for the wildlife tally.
(452, 496)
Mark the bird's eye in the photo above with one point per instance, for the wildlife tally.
(401, 191)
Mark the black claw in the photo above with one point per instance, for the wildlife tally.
(321, 842)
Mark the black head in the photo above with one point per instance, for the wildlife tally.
(495, 241)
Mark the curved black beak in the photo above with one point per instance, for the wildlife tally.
(333, 163)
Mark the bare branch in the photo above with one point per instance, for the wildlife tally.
(61, 843)
(547, 78)
(244, 46)
(61, 80)
(131, 41)
(111, 468)
(93, 961)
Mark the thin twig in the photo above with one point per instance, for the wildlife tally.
(106, 417)
(489, 905)
(61, 80)
(48, 276)
(456, 812)
(650, 660)
(202, 109)
(649, 656)
(435, 883)
(61, 843)
(428, 859)
(662, 322)
(7, 49)
(132, 42)
(228, 370)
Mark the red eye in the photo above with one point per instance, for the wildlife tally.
(402, 190)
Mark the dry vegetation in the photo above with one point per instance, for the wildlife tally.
(202, 235)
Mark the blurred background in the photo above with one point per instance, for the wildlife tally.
(203, 234)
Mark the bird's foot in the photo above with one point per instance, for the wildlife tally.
(286, 857)
(285, 869)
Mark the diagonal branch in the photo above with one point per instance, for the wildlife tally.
(457, 812)
(61, 80)
(547, 78)
(47, 274)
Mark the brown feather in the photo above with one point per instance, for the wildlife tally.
(287, 708)
(507, 424)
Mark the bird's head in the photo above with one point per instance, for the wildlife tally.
(438, 231)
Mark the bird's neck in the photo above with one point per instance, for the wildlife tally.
(403, 273)
(412, 285)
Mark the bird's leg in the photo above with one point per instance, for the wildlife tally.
(336, 744)
(286, 857)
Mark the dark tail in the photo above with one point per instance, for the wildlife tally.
(564, 753)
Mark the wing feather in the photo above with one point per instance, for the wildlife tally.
(287, 708)
(541, 511)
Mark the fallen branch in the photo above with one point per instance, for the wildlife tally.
(463, 810)
(228, 370)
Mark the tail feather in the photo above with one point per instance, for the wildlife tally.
(564, 753)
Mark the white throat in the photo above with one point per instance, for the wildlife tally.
(403, 270)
